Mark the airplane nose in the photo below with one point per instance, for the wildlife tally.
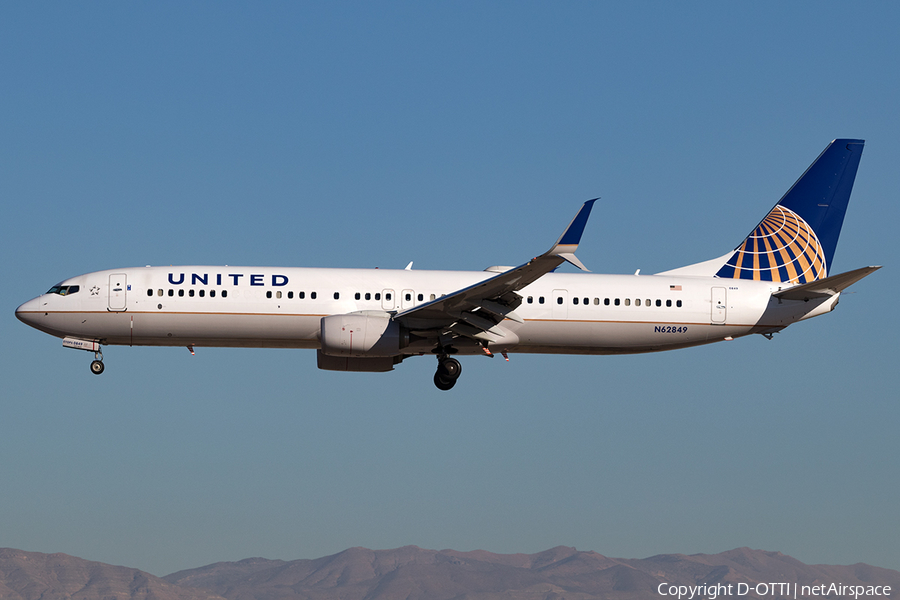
(28, 311)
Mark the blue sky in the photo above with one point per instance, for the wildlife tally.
(459, 136)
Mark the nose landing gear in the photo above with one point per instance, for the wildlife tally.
(97, 363)
(90, 346)
(448, 372)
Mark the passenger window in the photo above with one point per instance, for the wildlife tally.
(678, 303)
(202, 293)
(225, 293)
(408, 297)
(301, 295)
(191, 293)
(181, 293)
(559, 300)
(378, 295)
(617, 302)
(647, 303)
(606, 302)
(149, 292)
(627, 301)
(586, 301)
(312, 295)
(530, 300)
(278, 294)
(337, 295)
(596, 300)
(421, 297)
(387, 297)
(637, 302)
(268, 294)
(669, 303)
(540, 300)
(171, 293)
(212, 293)
(432, 296)
(159, 292)
(574, 300)
(290, 295)
(658, 302)
(357, 296)
(368, 296)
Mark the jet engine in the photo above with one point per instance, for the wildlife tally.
(364, 334)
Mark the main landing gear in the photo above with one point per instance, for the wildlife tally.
(448, 372)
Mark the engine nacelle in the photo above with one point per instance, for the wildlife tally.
(378, 364)
(364, 334)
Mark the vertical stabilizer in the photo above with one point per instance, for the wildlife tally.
(796, 241)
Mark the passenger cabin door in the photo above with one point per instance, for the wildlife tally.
(118, 289)
(719, 310)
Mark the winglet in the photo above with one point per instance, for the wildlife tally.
(568, 242)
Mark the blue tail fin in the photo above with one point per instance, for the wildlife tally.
(795, 242)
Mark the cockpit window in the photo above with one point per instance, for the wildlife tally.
(64, 290)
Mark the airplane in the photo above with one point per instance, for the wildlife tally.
(373, 319)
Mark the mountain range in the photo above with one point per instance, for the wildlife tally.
(410, 573)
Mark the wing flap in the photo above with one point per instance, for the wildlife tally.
(470, 331)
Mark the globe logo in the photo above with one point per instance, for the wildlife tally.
(783, 248)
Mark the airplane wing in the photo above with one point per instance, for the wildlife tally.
(476, 311)
(828, 286)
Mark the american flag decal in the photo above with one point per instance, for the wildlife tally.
(674, 288)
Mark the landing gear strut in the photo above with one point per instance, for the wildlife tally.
(448, 372)
(97, 363)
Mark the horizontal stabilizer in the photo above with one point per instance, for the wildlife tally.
(822, 288)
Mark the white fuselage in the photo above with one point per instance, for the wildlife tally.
(283, 307)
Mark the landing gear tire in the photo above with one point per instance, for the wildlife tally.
(448, 372)
(443, 384)
(97, 367)
(449, 369)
